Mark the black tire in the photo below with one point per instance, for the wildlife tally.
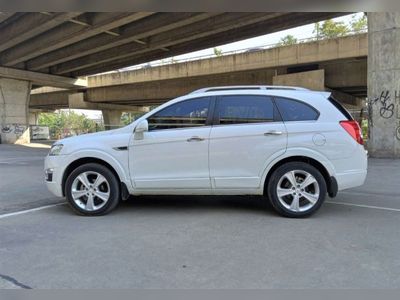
(113, 186)
(274, 180)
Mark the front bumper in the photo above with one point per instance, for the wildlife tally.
(55, 188)
(53, 174)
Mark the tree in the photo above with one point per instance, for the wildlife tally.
(359, 24)
(217, 52)
(287, 40)
(67, 123)
(126, 118)
(330, 29)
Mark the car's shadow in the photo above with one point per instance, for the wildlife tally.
(244, 203)
(255, 205)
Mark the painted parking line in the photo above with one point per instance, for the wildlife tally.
(364, 206)
(329, 202)
(21, 212)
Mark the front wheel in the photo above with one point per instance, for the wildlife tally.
(92, 189)
(296, 189)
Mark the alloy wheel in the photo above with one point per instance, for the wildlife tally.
(90, 190)
(298, 190)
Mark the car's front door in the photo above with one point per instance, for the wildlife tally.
(248, 131)
(173, 153)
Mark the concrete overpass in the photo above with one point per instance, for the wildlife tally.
(335, 64)
(41, 48)
(55, 48)
(76, 44)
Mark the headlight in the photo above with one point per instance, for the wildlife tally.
(56, 149)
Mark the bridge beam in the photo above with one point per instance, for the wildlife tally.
(67, 34)
(42, 79)
(77, 101)
(30, 25)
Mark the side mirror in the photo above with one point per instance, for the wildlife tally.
(143, 126)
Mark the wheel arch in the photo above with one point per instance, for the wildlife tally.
(329, 179)
(85, 160)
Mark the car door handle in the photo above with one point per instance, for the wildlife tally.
(273, 132)
(195, 139)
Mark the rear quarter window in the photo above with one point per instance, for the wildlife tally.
(341, 108)
(295, 110)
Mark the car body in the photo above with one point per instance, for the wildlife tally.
(219, 141)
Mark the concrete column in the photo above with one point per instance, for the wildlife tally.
(14, 118)
(33, 118)
(384, 84)
(111, 118)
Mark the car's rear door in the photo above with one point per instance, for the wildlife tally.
(247, 131)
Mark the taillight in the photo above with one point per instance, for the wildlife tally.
(353, 129)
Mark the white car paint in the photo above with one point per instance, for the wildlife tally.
(229, 159)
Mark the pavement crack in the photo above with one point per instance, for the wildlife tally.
(14, 281)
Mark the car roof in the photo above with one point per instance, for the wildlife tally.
(247, 88)
(272, 90)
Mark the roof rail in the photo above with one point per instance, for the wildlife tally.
(248, 87)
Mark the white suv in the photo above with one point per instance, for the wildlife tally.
(290, 144)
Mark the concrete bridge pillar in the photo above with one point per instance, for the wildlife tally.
(384, 84)
(111, 118)
(14, 115)
(33, 118)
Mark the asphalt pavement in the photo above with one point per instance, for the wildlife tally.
(196, 242)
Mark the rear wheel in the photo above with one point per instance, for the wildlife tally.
(296, 189)
(92, 190)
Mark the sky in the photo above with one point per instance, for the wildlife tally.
(301, 32)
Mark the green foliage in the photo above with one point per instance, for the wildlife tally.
(287, 40)
(217, 52)
(330, 29)
(364, 128)
(359, 24)
(67, 123)
(126, 118)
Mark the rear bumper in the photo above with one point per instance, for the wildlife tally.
(352, 171)
(351, 179)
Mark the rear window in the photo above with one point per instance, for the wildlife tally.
(341, 108)
(294, 110)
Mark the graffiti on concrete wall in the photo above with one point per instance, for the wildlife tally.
(386, 108)
(388, 105)
(17, 129)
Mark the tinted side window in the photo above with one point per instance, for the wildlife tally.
(244, 109)
(293, 110)
(189, 113)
